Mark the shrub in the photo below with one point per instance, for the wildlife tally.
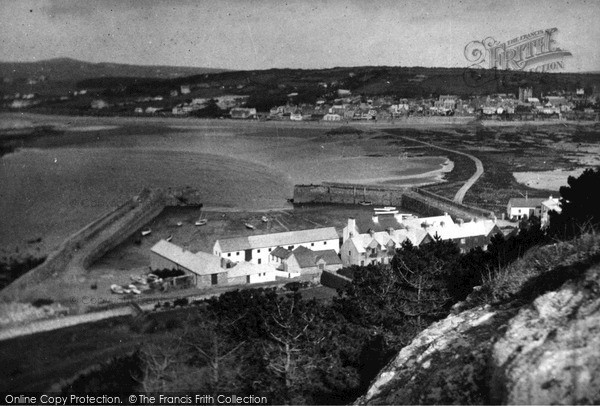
(42, 302)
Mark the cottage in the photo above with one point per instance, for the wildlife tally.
(378, 246)
(306, 263)
(552, 204)
(519, 208)
(257, 248)
(476, 233)
(205, 268)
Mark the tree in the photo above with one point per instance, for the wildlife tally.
(580, 204)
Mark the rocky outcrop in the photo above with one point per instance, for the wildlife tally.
(543, 352)
(550, 352)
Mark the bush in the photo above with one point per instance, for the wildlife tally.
(42, 302)
(181, 302)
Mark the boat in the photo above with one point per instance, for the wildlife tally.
(381, 213)
(146, 232)
(201, 222)
(386, 208)
(169, 238)
(364, 201)
(264, 219)
(250, 226)
(179, 223)
(116, 289)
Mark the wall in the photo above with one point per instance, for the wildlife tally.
(348, 194)
(415, 200)
(94, 240)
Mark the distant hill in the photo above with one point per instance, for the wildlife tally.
(72, 70)
(271, 87)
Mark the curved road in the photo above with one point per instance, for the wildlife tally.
(460, 195)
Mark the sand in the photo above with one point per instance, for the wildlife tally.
(549, 180)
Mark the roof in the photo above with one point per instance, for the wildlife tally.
(525, 202)
(308, 258)
(414, 235)
(280, 252)
(433, 221)
(201, 263)
(553, 204)
(277, 239)
(471, 229)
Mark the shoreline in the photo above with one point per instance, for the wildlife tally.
(76, 123)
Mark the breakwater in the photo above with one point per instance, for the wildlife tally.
(81, 249)
(411, 199)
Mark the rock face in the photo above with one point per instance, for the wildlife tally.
(551, 350)
(543, 352)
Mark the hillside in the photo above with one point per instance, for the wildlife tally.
(67, 69)
(366, 80)
(527, 336)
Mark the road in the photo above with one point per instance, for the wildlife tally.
(460, 195)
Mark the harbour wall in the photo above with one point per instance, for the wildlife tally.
(414, 200)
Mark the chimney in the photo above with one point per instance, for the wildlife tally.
(460, 222)
(371, 232)
(351, 228)
(390, 230)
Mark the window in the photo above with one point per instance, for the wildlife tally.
(349, 253)
(324, 242)
(290, 247)
(462, 241)
(257, 251)
(237, 253)
(259, 261)
(229, 254)
(312, 244)
(270, 249)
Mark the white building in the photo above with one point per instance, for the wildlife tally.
(519, 208)
(256, 248)
(204, 267)
(552, 204)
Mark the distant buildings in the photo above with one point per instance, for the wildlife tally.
(243, 113)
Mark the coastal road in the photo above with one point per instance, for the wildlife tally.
(460, 195)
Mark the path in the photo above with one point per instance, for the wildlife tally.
(460, 195)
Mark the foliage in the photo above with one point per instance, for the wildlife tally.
(580, 204)
(13, 267)
(211, 110)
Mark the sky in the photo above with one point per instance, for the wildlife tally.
(263, 34)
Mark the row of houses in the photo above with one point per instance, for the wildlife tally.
(379, 246)
(305, 254)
